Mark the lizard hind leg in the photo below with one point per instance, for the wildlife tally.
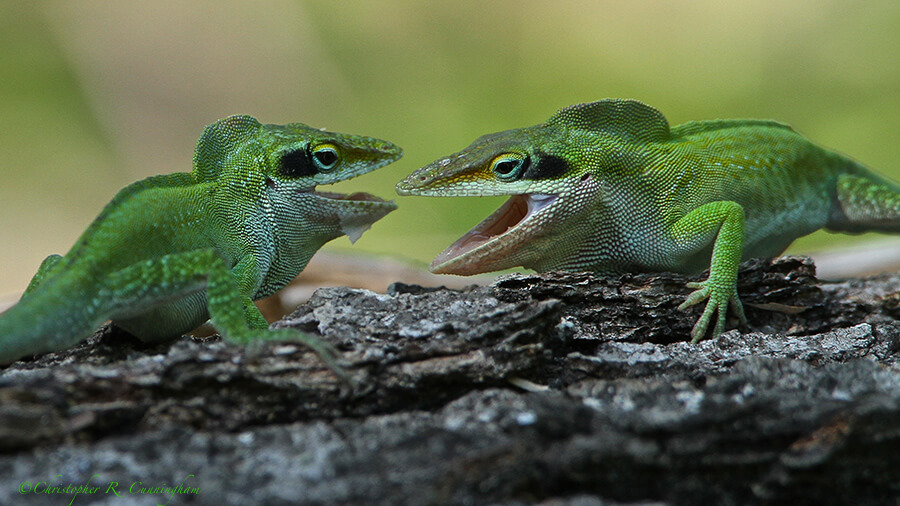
(865, 204)
(172, 283)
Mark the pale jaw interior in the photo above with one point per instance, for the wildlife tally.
(515, 211)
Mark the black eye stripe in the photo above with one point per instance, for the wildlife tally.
(296, 164)
(526, 164)
(547, 167)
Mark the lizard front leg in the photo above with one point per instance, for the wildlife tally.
(237, 318)
(721, 223)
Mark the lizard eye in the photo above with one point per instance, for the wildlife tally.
(510, 166)
(325, 157)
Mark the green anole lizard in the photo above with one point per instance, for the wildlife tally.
(171, 251)
(608, 186)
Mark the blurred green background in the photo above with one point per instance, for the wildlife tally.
(97, 94)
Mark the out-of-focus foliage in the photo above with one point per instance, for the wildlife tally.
(97, 94)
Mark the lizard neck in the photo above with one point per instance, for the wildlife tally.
(288, 234)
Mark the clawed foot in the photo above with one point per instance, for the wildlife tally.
(719, 299)
(327, 353)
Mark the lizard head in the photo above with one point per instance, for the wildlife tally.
(527, 164)
(287, 163)
(555, 174)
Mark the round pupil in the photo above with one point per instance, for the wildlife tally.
(326, 157)
(506, 166)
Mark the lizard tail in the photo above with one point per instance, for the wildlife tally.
(865, 203)
(26, 329)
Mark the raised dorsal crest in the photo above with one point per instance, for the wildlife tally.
(626, 118)
(218, 142)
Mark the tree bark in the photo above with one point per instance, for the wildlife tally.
(556, 388)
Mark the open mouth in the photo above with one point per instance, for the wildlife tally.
(501, 224)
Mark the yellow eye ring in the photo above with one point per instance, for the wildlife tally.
(325, 156)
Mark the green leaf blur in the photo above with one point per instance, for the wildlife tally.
(98, 94)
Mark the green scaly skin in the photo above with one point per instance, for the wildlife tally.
(171, 251)
(608, 186)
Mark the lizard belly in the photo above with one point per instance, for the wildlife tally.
(769, 234)
(167, 321)
(621, 239)
(633, 242)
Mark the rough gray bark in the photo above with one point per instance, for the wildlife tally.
(558, 388)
